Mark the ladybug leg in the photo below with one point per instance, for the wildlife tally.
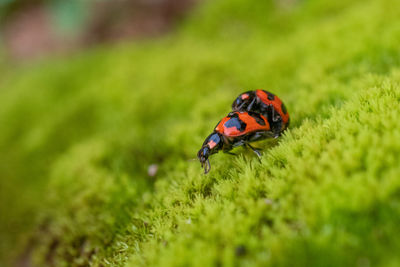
(276, 129)
(227, 150)
(251, 104)
(276, 124)
(275, 116)
(256, 151)
(241, 105)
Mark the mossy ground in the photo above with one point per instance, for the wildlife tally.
(78, 134)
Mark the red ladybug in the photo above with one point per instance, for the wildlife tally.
(267, 104)
(236, 129)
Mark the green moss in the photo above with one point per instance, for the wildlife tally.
(78, 135)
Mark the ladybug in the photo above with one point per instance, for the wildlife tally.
(268, 105)
(236, 129)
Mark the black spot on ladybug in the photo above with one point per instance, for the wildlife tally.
(234, 121)
(268, 114)
(257, 117)
(283, 109)
(270, 96)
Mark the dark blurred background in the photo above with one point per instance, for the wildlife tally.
(35, 28)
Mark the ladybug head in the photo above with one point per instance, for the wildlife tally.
(211, 145)
(243, 101)
(203, 155)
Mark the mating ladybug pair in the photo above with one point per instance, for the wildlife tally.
(256, 115)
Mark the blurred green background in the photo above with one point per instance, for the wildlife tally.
(93, 93)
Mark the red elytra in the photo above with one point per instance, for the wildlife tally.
(236, 129)
(276, 103)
